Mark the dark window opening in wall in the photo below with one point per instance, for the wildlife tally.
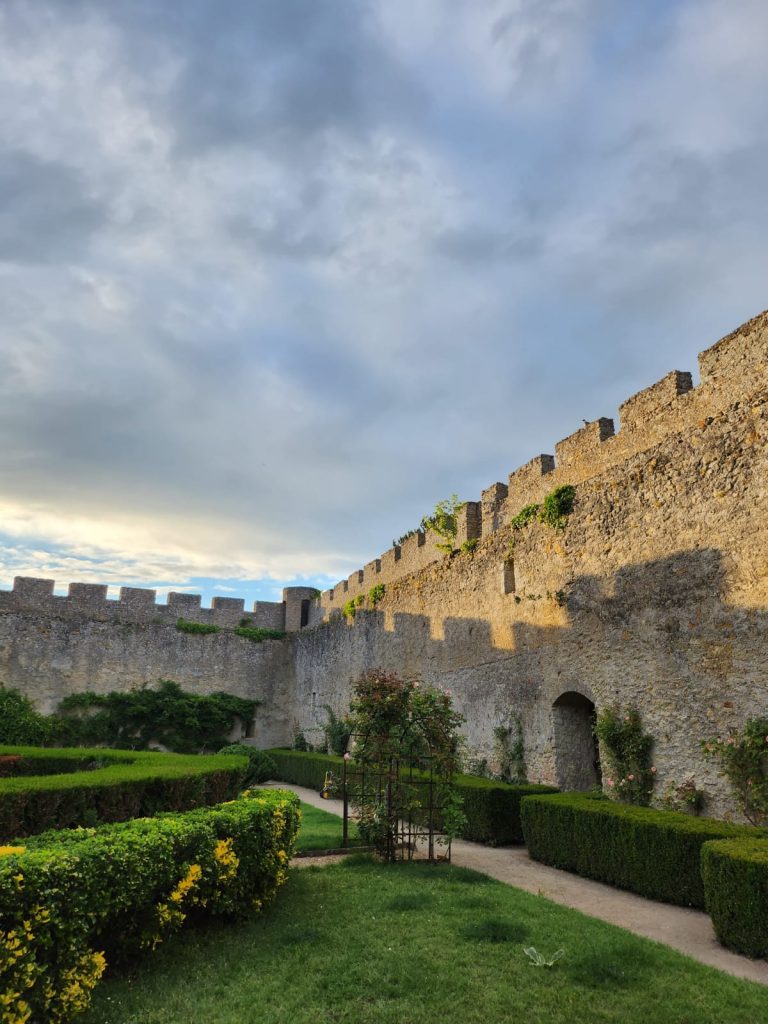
(577, 756)
(304, 613)
(509, 575)
(250, 729)
(313, 703)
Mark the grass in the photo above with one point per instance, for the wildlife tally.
(322, 831)
(362, 943)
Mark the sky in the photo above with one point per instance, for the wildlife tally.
(277, 277)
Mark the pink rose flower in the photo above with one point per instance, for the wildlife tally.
(653, 769)
(631, 778)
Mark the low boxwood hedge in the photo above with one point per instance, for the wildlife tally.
(735, 873)
(73, 902)
(492, 808)
(654, 853)
(124, 784)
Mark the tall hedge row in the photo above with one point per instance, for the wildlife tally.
(73, 902)
(124, 784)
(735, 873)
(654, 853)
(492, 808)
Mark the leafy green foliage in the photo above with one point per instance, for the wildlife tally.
(350, 607)
(735, 873)
(123, 889)
(553, 511)
(257, 634)
(108, 785)
(510, 752)
(261, 767)
(557, 506)
(337, 731)
(491, 809)
(627, 751)
(376, 593)
(404, 537)
(743, 758)
(20, 722)
(469, 545)
(539, 960)
(526, 515)
(444, 521)
(654, 853)
(300, 744)
(185, 626)
(180, 721)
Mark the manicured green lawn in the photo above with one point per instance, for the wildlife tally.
(321, 830)
(363, 943)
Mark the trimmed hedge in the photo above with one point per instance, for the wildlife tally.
(128, 784)
(735, 873)
(73, 902)
(654, 853)
(492, 808)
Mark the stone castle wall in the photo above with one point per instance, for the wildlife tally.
(655, 595)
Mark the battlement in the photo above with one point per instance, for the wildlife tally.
(140, 605)
(732, 370)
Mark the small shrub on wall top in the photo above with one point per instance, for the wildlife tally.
(627, 752)
(74, 902)
(743, 758)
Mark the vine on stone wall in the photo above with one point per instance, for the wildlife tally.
(626, 749)
(743, 758)
(553, 511)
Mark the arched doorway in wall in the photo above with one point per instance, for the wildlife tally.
(577, 757)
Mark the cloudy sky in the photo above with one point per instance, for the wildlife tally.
(278, 275)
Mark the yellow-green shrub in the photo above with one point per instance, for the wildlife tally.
(76, 900)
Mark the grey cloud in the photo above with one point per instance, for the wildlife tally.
(46, 211)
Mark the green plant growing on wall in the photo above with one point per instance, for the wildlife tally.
(469, 545)
(626, 749)
(350, 607)
(256, 634)
(526, 514)
(557, 506)
(404, 537)
(20, 722)
(743, 758)
(183, 722)
(375, 594)
(444, 521)
(185, 626)
(553, 511)
(509, 752)
(683, 797)
(337, 731)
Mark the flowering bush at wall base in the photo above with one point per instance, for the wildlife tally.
(74, 901)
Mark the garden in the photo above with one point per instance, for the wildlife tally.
(106, 854)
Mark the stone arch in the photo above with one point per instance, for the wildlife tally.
(577, 757)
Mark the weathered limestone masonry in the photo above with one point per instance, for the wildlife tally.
(52, 646)
(655, 595)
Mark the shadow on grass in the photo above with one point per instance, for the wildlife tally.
(494, 930)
